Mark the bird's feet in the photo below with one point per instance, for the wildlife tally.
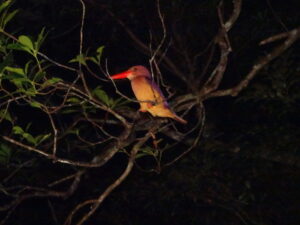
(150, 105)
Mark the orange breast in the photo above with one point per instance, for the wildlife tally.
(145, 90)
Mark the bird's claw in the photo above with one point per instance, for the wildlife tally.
(150, 105)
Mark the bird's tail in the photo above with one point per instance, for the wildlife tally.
(179, 119)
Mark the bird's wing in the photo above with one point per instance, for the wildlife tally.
(146, 90)
(157, 93)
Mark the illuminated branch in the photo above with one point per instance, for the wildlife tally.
(95, 203)
(223, 42)
(291, 37)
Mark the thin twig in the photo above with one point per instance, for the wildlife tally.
(50, 156)
(168, 62)
(97, 202)
(81, 74)
(223, 42)
(292, 37)
(40, 54)
(54, 132)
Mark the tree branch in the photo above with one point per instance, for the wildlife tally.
(291, 36)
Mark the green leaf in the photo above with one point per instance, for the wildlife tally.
(73, 131)
(147, 151)
(119, 103)
(28, 137)
(141, 154)
(18, 130)
(94, 59)
(26, 41)
(17, 46)
(101, 94)
(29, 91)
(4, 5)
(81, 58)
(69, 110)
(5, 154)
(6, 60)
(39, 76)
(16, 70)
(4, 114)
(13, 76)
(40, 39)
(36, 104)
(99, 51)
(51, 81)
(42, 137)
(28, 126)
(27, 66)
(74, 100)
(8, 17)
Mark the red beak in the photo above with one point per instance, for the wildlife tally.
(121, 75)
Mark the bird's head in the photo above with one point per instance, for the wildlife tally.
(133, 72)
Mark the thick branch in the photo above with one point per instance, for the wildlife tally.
(292, 36)
(223, 42)
(97, 202)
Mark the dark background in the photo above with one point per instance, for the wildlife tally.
(246, 168)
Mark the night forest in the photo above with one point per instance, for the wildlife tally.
(76, 148)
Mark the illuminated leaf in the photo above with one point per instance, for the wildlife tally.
(8, 17)
(4, 5)
(16, 70)
(4, 114)
(79, 58)
(28, 137)
(25, 40)
(99, 51)
(51, 81)
(36, 104)
(42, 137)
(101, 94)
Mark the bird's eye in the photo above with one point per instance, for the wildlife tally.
(134, 69)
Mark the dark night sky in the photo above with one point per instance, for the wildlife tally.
(245, 170)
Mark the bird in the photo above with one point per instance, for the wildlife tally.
(147, 92)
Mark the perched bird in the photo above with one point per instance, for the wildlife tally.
(148, 94)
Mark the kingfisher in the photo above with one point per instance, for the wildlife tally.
(147, 92)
